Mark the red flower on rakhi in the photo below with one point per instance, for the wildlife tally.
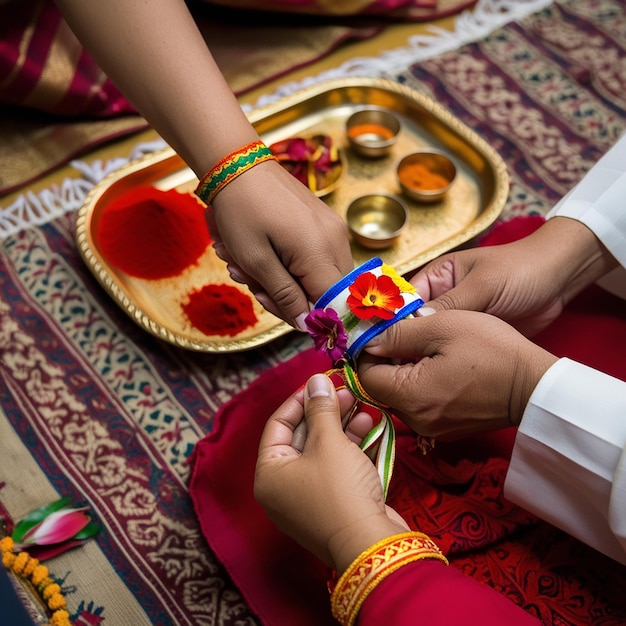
(374, 296)
(328, 332)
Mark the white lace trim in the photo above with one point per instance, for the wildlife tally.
(471, 25)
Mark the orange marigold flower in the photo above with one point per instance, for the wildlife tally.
(6, 544)
(30, 567)
(60, 618)
(372, 296)
(39, 574)
(50, 590)
(57, 601)
(20, 562)
(7, 559)
(44, 583)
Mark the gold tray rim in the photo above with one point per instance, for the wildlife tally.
(487, 217)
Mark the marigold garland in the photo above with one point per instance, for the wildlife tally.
(29, 568)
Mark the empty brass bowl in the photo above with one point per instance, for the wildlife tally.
(376, 220)
(372, 132)
(426, 175)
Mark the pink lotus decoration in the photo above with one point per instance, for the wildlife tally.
(56, 527)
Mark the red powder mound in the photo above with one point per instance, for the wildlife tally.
(220, 310)
(153, 234)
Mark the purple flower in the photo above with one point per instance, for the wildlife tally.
(328, 332)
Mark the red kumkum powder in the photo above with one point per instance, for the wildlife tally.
(153, 234)
(220, 310)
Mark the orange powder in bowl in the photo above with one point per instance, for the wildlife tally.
(373, 132)
(418, 176)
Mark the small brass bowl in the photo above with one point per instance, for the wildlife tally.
(426, 175)
(377, 220)
(372, 132)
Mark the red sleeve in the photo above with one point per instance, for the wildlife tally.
(435, 594)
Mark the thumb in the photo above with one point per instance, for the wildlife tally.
(467, 295)
(410, 341)
(321, 409)
(473, 292)
(407, 339)
(449, 283)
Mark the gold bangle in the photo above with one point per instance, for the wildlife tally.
(231, 166)
(374, 565)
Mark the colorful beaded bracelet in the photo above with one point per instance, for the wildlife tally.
(231, 166)
(374, 565)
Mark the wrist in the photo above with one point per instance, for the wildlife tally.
(372, 566)
(575, 257)
(231, 167)
(347, 544)
(531, 368)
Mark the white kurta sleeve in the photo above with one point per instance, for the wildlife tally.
(569, 460)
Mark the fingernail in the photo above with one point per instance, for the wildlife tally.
(425, 311)
(263, 299)
(299, 323)
(236, 274)
(319, 386)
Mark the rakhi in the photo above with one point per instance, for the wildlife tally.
(353, 311)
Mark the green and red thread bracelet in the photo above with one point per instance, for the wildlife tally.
(231, 166)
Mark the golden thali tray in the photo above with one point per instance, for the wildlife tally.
(473, 203)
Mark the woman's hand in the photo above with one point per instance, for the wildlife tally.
(280, 239)
(328, 497)
(462, 372)
(527, 282)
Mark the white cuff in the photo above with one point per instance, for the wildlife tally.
(567, 465)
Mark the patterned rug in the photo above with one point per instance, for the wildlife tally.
(96, 409)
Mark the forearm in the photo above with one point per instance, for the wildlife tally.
(346, 546)
(568, 460)
(157, 57)
(571, 255)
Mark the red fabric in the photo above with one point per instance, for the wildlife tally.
(280, 581)
(54, 75)
(454, 494)
(425, 588)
